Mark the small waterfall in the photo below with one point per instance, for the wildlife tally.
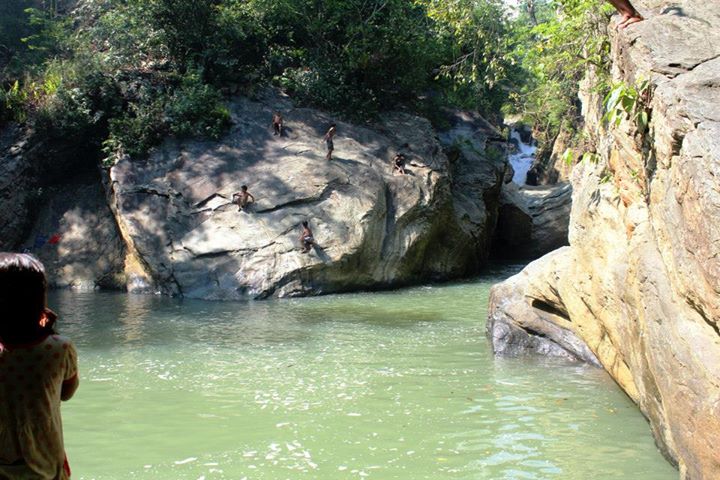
(522, 159)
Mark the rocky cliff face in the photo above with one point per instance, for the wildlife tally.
(19, 188)
(373, 229)
(53, 204)
(75, 236)
(532, 221)
(638, 290)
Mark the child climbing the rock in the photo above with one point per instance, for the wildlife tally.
(306, 238)
(38, 370)
(399, 164)
(328, 139)
(243, 198)
(277, 123)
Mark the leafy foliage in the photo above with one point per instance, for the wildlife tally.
(628, 102)
(126, 73)
(351, 56)
(482, 46)
(569, 39)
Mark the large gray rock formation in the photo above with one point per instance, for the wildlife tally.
(640, 282)
(20, 190)
(31, 166)
(373, 229)
(44, 194)
(79, 242)
(532, 221)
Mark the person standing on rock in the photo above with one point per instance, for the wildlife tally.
(243, 198)
(306, 238)
(328, 139)
(628, 12)
(277, 123)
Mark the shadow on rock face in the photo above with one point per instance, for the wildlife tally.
(375, 231)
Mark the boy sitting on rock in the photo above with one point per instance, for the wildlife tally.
(243, 198)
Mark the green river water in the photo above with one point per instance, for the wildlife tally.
(392, 385)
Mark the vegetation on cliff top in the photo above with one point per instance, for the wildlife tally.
(120, 75)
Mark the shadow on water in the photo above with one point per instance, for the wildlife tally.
(107, 321)
(344, 376)
(113, 320)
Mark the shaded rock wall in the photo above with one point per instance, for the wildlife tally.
(52, 189)
(640, 282)
(373, 229)
(550, 167)
(532, 221)
(20, 187)
(32, 165)
(87, 251)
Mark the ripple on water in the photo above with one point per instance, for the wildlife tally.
(393, 385)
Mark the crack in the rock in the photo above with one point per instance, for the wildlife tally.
(220, 253)
(326, 192)
(703, 314)
(146, 190)
(685, 70)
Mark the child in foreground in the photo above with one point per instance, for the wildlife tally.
(38, 369)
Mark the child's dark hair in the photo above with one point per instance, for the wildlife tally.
(243, 187)
(304, 223)
(23, 297)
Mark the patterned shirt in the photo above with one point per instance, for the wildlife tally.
(31, 380)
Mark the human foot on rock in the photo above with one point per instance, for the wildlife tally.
(634, 19)
(629, 20)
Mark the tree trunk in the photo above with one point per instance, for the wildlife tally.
(530, 7)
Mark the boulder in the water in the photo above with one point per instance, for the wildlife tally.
(374, 229)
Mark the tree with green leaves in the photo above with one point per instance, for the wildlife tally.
(569, 40)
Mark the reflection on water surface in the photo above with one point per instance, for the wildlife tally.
(393, 385)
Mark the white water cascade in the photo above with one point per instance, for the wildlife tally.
(522, 159)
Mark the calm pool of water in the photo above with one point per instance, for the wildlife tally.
(396, 385)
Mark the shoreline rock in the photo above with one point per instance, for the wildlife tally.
(640, 282)
(532, 221)
(374, 229)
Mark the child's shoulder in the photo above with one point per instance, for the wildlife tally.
(58, 340)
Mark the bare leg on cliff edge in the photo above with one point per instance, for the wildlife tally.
(628, 12)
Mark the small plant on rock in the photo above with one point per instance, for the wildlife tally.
(628, 101)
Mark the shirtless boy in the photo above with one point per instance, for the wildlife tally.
(277, 123)
(328, 139)
(628, 12)
(306, 238)
(243, 198)
(399, 164)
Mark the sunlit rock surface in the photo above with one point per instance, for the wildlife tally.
(640, 282)
(373, 229)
